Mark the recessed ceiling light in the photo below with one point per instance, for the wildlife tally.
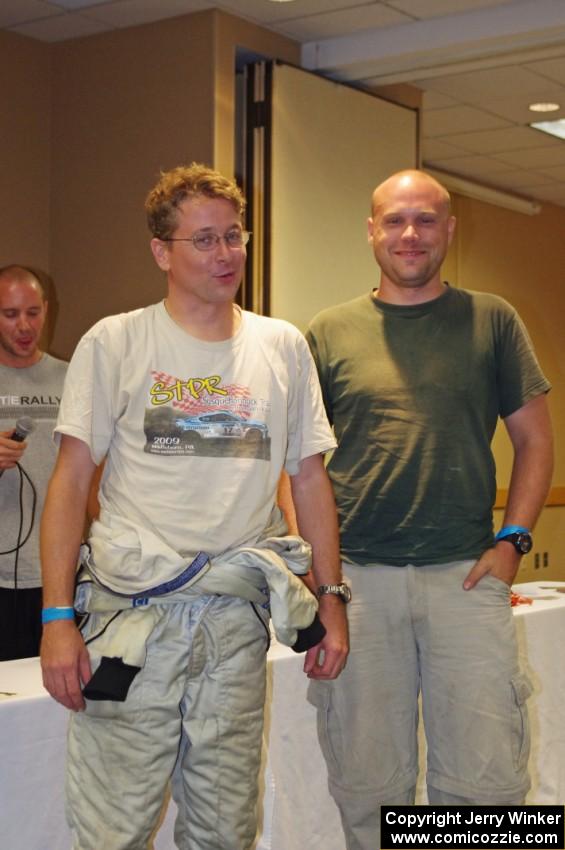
(544, 107)
(282, 1)
(554, 128)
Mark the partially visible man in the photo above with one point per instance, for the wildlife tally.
(31, 385)
(415, 375)
(197, 406)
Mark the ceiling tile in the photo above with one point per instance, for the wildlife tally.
(495, 141)
(14, 12)
(534, 157)
(553, 69)
(437, 100)
(433, 8)
(521, 179)
(469, 166)
(458, 119)
(273, 13)
(503, 81)
(516, 108)
(341, 22)
(60, 28)
(438, 149)
(130, 13)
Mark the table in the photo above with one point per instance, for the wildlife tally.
(541, 638)
(295, 801)
(296, 809)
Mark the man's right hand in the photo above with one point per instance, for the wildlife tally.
(11, 451)
(65, 663)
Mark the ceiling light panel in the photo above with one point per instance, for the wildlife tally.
(544, 107)
(554, 128)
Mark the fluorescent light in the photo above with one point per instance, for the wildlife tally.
(554, 128)
(462, 186)
(543, 107)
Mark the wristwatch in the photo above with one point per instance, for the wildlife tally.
(342, 590)
(518, 536)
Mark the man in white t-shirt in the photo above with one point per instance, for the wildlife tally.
(196, 407)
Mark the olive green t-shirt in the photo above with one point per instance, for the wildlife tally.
(414, 394)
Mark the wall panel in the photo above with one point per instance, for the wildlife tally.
(331, 146)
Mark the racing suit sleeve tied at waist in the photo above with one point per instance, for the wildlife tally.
(265, 574)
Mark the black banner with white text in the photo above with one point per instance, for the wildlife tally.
(472, 827)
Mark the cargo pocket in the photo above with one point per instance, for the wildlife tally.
(320, 696)
(521, 690)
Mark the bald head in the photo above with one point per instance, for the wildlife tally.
(23, 310)
(411, 179)
(21, 275)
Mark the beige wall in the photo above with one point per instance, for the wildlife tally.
(25, 161)
(127, 104)
(86, 127)
(25, 133)
(522, 258)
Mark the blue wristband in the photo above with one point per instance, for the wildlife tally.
(511, 529)
(61, 613)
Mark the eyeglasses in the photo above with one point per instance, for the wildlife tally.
(207, 241)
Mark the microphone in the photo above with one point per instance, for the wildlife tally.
(24, 427)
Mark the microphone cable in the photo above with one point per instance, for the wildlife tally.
(20, 543)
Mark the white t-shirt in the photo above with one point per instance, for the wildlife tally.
(196, 433)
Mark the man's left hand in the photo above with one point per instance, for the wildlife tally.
(502, 562)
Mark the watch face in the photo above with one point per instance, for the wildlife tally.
(523, 543)
(521, 540)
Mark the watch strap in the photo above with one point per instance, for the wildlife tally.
(341, 590)
(511, 529)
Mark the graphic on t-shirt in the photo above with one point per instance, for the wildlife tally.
(203, 417)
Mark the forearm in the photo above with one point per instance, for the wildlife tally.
(529, 486)
(529, 429)
(317, 523)
(316, 518)
(64, 659)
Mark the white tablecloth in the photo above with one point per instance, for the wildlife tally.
(541, 638)
(296, 810)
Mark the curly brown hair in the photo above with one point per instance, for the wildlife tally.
(183, 182)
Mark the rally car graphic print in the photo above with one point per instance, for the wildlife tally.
(204, 417)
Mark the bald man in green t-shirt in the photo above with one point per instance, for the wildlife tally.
(415, 375)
